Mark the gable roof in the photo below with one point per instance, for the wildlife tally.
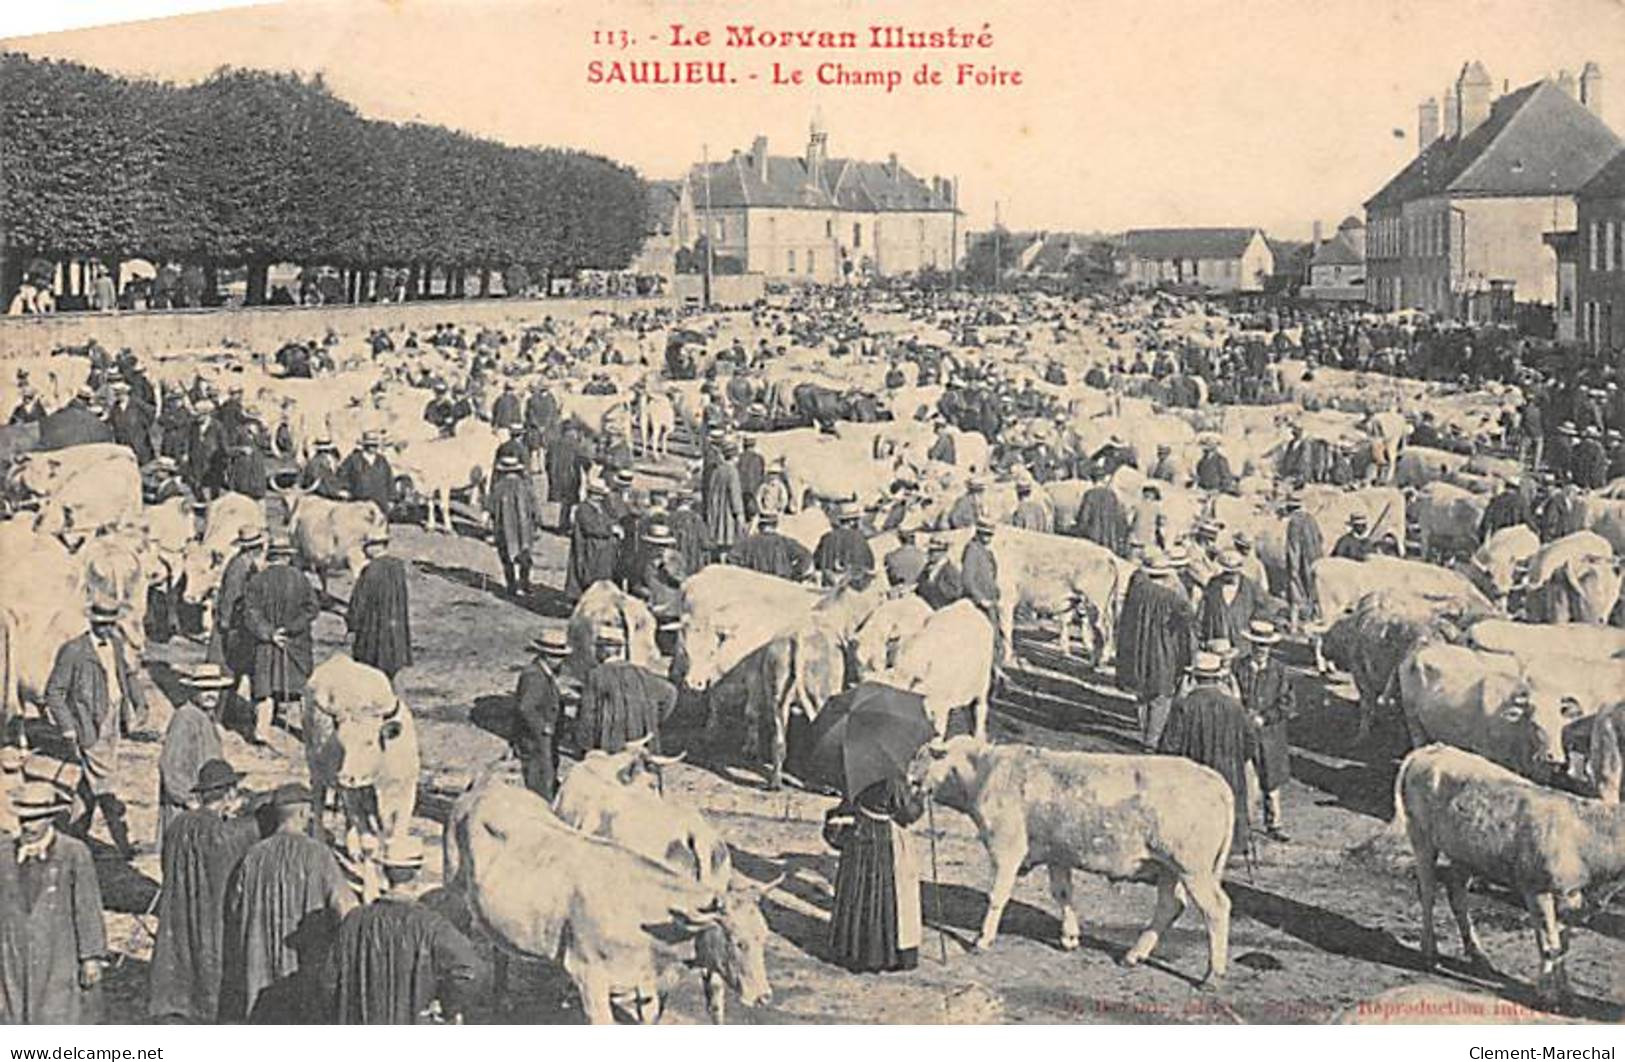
(1536, 140)
(1336, 251)
(1609, 182)
(843, 184)
(1188, 243)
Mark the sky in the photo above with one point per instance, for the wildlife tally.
(1130, 113)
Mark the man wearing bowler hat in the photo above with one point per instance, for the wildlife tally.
(396, 961)
(282, 907)
(534, 736)
(50, 973)
(202, 847)
(1208, 725)
(193, 739)
(93, 698)
(1268, 696)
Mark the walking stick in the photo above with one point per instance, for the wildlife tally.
(936, 884)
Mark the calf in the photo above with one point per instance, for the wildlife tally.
(1158, 819)
(1547, 846)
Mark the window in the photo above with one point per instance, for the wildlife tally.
(1619, 245)
(1609, 245)
(791, 262)
(811, 268)
(829, 231)
(1596, 244)
(857, 234)
(722, 230)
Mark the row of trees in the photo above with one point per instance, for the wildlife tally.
(253, 168)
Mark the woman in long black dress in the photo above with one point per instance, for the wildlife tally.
(876, 925)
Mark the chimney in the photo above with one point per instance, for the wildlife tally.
(1473, 95)
(1452, 115)
(758, 157)
(948, 192)
(891, 165)
(1591, 88)
(1566, 82)
(817, 150)
(1316, 242)
(1427, 124)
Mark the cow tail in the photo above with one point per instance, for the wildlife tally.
(1398, 825)
(799, 695)
(10, 695)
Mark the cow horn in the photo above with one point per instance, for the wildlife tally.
(699, 918)
(641, 744)
(666, 761)
(765, 887)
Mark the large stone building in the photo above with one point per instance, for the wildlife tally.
(1207, 259)
(1591, 265)
(813, 218)
(1337, 265)
(1463, 225)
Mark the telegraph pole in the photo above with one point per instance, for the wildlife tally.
(998, 250)
(953, 254)
(710, 224)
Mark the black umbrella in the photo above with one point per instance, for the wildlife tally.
(866, 735)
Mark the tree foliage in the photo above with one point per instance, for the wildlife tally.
(251, 166)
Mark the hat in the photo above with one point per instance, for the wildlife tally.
(372, 438)
(551, 642)
(1151, 490)
(1593, 432)
(623, 477)
(1262, 632)
(1230, 560)
(403, 852)
(1177, 557)
(209, 677)
(768, 518)
(12, 758)
(510, 463)
(378, 536)
(204, 405)
(596, 486)
(748, 442)
(37, 800)
(938, 544)
(281, 546)
(325, 442)
(216, 774)
(250, 536)
(104, 611)
(1566, 428)
(290, 794)
(847, 510)
(978, 483)
(716, 434)
(1209, 527)
(1207, 665)
(660, 535)
(1358, 520)
(120, 385)
(610, 635)
(1155, 562)
(1219, 647)
(85, 394)
(1244, 541)
(984, 526)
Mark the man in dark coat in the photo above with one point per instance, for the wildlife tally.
(206, 451)
(1230, 601)
(979, 573)
(279, 607)
(225, 646)
(1304, 547)
(321, 472)
(725, 501)
(771, 553)
(534, 736)
(1101, 519)
(202, 848)
(1355, 543)
(51, 974)
(1112, 456)
(693, 537)
(942, 448)
(1590, 460)
(30, 409)
(541, 417)
(379, 617)
(1562, 514)
(1509, 508)
(1210, 726)
(1213, 470)
(594, 543)
(507, 411)
(512, 505)
(843, 548)
(621, 702)
(1267, 694)
(752, 471)
(245, 466)
(193, 739)
(366, 473)
(282, 907)
(905, 564)
(397, 961)
(1156, 639)
(565, 462)
(131, 423)
(940, 584)
(92, 697)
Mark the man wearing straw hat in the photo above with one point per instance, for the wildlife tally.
(1268, 697)
(51, 974)
(512, 505)
(282, 907)
(1156, 638)
(366, 473)
(1208, 725)
(843, 548)
(725, 500)
(321, 472)
(768, 551)
(1355, 543)
(279, 608)
(621, 702)
(379, 617)
(202, 847)
(396, 961)
(193, 739)
(594, 542)
(536, 713)
(92, 697)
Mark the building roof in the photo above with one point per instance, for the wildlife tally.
(1187, 243)
(1609, 183)
(1336, 251)
(843, 184)
(665, 200)
(1350, 222)
(1536, 141)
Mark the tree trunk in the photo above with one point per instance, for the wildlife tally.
(459, 281)
(259, 278)
(211, 282)
(485, 282)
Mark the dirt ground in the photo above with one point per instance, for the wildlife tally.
(1314, 929)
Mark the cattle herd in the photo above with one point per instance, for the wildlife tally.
(1476, 611)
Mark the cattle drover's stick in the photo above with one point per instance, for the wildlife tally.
(936, 885)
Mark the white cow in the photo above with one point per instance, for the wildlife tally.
(359, 737)
(949, 663)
